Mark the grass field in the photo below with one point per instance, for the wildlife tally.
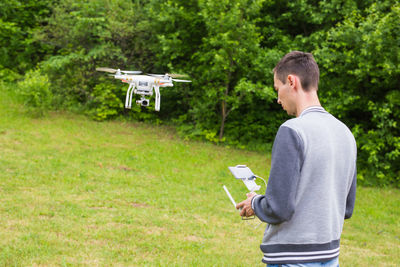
(75, 192)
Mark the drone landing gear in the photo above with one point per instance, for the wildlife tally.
(128, 100)
(143, 101)
(158, 98)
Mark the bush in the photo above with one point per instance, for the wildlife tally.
(105, 103)
(8, 75)
(379, 157)
(35, 92)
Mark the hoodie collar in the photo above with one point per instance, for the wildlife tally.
(313, 109)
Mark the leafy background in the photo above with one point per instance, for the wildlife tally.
(50, 49)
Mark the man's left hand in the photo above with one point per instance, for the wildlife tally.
(245, 205)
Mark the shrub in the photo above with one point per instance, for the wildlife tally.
(35, 92)
(379, 147)
(105, 102)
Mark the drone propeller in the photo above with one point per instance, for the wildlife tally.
(181, 81)
(131, 71)
(172, 75)
(155, 75)
(175, 75)
(110, 70)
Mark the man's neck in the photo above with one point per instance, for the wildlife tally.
(307, 99)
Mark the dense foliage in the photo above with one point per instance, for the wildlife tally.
(228, 48)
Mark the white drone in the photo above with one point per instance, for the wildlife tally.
(143, 85)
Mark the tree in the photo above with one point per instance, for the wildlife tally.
(19, 21)
(89, 34)
(360, 65)
(226, 55)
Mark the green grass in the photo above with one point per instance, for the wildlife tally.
(75, 192)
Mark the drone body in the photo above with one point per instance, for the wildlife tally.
(143, 85)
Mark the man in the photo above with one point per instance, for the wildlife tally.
(312, 183)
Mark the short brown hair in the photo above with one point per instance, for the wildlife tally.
(301, 64)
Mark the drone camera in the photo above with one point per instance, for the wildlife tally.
(143, 102)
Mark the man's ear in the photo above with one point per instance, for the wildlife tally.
(292, 80)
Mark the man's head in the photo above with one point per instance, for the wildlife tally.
(300, 64)
(295, 76)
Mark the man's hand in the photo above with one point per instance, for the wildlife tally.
(246, 211)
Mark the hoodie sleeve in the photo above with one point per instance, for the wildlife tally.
(277, 205)
(351, 197)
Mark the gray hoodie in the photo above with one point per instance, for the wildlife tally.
(311, 189)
